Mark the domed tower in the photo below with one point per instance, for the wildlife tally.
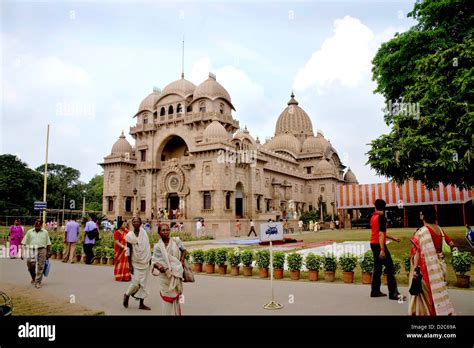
(119, 180)
(350, 177)
(294, 120)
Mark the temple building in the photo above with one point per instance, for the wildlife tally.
(191, 154)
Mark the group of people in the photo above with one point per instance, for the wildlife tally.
(172, 214)
(427, 263)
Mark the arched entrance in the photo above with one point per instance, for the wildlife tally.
(173, 147)
(172, 203)
(239, 200)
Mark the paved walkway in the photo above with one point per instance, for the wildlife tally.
(95, 288)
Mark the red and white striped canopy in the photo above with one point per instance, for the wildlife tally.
(409, 194)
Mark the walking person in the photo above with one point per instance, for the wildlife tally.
(36, 245)
(16, 236)
(168, 257)
(90, 235)
(198, 228)
(139, 263)
(71, 236)
(237, 228)
(121, 269)
(300, 226)
(382, 256)
(427, 262)
(252, 228)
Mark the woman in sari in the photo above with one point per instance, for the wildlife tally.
(426, 254)
(121, 268)
(168, 258)
(16, 236)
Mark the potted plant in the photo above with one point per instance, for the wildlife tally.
(263, 262)
(367, 266)
(313, 264)
(295, 262)
(110, 256)
(397, 266)
(54, 250)
(59, 254)
(278, 264)
(221, 259)
(348, 263)
(234, 260)
(247, 257)
(330, 266)
(210, 258)
(461, 262)
(78, 252)
(198, 259)
(406, 264)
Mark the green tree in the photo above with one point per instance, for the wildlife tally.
(20, 186)
(94, 189)
(426, 78)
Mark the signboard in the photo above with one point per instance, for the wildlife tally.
(40, 205)
(271, 231)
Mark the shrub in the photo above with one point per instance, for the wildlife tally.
(234, 257)
(348, 262)
(295, 261)
(210, 256)
(462, 262)
(330, 262)
(397, 264)
(406, 262)
(221, 256)
(313, 262)
(263, 258)
(79, 249)
(278, 260)
(247, 257)
(366, 262)
(197, 256)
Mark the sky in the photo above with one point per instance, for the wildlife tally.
(83, 67)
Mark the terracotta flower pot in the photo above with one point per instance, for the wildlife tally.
(348, 277)
(83, 258)
(329, 276)
(278, 273)
(96, 261)
(198, 267)
(210, 268)
(313, 275)
(110, 261)
(59, 256)
(53, 256)
(103, 260)
(366, 277)
(222, 269)
(295, 275)
(78, 258)
(248, 271)
(385, 281)
(462, 281)
(234, 270)
(263, 272)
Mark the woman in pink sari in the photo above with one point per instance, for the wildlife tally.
(16, 236)
(427, 255)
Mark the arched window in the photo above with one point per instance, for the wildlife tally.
(162, 112)
(145, 120)
(179, 109)
(221, 108)
(170, 110)
(190, 108)
(202, 106)
(237, 145)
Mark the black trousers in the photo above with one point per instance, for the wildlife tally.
(377, 273)
(252, 229)
(89, 253)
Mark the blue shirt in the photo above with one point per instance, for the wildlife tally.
(72, 231)
(90, 225)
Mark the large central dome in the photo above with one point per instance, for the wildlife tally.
(294, 120)
(182, 87)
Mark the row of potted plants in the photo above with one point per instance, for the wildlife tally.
(314, 263)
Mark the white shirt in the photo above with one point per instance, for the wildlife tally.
(252, 224)
(198, 225)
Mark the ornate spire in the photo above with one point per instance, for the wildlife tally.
(182, 61)
(292, 101)
(122, 136)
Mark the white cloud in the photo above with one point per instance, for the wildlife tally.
(344, 57)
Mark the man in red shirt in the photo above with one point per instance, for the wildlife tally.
(378, 223)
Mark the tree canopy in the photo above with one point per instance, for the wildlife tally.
(426, 78)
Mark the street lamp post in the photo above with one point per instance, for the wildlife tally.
(83, 203)
(135, 208)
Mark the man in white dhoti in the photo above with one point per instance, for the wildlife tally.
(168, 258)
(139, 260)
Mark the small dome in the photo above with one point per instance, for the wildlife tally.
(324, 168)
(149, 102)
(121, 146)
(294, 120)
(212, 89)
(245, 134)
(215, 131)
(285, 142)
(182, 87)
(315, 144)
(350, 177)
